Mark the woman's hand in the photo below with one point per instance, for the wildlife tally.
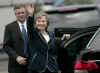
(65, 36)
(59, 71)
(30, 9)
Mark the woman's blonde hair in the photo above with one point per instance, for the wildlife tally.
(39, 14)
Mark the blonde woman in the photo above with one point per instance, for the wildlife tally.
(42, 49)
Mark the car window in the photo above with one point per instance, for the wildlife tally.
(94, 43)
(74, 19)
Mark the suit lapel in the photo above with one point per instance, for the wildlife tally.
(43, 39)
(18, 30)
(51, 36)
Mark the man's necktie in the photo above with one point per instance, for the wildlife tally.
(25, 38)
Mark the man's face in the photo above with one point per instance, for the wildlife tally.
(20, 14)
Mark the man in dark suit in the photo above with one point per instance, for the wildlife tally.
(14, 43)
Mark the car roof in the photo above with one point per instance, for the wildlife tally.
(74, 16)
(72, 6)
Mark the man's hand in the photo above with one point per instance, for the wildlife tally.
(30, 9)
(21, 60)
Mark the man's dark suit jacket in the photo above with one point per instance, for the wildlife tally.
(14, 46)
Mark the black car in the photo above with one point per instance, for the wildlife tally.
(81, 21)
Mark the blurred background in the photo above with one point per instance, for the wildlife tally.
(7, 16)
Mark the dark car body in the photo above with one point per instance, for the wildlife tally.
(81, 21)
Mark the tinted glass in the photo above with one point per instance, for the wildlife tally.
(94, 43)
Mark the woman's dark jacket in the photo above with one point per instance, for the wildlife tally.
(42, 55)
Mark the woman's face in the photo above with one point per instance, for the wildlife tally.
(41, 23)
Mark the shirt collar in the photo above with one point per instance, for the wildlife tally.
(19, 23)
